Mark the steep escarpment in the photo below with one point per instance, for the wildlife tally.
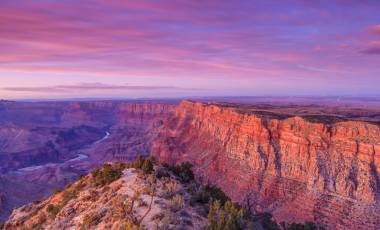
(294, 168)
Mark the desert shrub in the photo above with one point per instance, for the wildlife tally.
(169, 219)
(162, 172)
(177, 203)
(305, 226)
(121, 206)
(67, 196)
(183, 171)
(147, 166)
(53, 210)
(91, 219)
(193, 187)
(92, 195)
(170, 189)
(138, 163)
(128, 225)
(106, 175)
(121, 166)
(37, 224)
(210, 192)
(144, 164)
(228, 216)
(268, 223)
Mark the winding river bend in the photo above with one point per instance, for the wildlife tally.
(81, 156)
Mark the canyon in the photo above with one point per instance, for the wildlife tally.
(300, 162)
(299, 169)
(45, 145)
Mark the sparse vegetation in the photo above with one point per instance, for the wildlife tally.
(183, 171)
(305, 226)
(177, 203)
(68, 195)
(162, 172)
(147, 166)
(91, 220)
(176, 186)
(227, 217)
(53, 210)
(92, 195)
(211, 193)
(268, 223)
(106, 174)
(170, 188)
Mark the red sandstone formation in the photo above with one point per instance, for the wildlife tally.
(143, 113)
(296, 169)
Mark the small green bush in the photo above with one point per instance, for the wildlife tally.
(305, 226)
(183, 171)
(138, 163)
(147, 166)
(268, 223)
(53, 210)
(228, 216)
(162, 172)
(106, 175)
(144, 164)
(211, 193)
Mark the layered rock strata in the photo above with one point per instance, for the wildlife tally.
(296, 169)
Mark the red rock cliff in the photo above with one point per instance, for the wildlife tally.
(296, 169)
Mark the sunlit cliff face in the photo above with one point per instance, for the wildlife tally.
(163, 48)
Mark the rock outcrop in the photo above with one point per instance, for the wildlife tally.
(297, 169)
(132, 200)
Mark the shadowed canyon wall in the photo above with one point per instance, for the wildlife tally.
(40, 142)
(296, 169)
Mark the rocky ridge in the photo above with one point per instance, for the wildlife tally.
(130, 201)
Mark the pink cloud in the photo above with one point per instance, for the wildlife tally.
(372, 48)
(375, 29)
(90, 87)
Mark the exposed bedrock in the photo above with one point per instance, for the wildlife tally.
(299, 170)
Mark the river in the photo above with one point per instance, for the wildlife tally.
(79, 157)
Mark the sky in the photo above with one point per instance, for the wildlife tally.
(132, 49)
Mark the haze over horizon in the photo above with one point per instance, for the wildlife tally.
(125, 49)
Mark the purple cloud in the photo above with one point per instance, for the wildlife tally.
(372, 48)
(90, 87)
(375, 29)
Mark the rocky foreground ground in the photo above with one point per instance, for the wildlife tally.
(139, 195)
